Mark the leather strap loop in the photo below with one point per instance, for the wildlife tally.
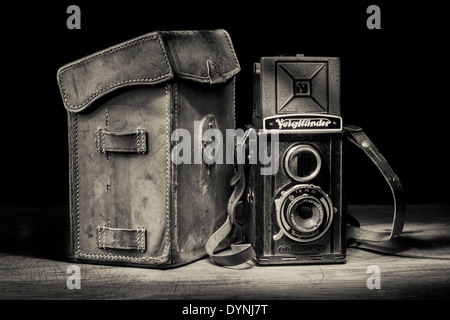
(240, 253)
(244, 252)
(121, 238)
(127, 142)
(362, 141)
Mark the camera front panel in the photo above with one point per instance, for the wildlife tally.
(297, 85)
(296, 215)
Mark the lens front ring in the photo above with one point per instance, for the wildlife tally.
(304, 212)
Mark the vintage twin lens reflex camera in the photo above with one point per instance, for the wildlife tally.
(296, 216)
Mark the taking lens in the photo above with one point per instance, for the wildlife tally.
(304, 212)
(306, 215)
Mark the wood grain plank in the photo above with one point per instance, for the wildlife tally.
(414, 266)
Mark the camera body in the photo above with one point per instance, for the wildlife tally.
(296, 216)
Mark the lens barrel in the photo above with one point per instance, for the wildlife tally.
(304, 212)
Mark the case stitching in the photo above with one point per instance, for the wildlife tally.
(77, 185)
(104, 53)
(142, 147)
(138, 141)
(102, 239)
(166, 235)
(126, 45)
(174, 175)
(236, 62)
(140, 239)
(99, 141)
(168, 118)
(203, 77)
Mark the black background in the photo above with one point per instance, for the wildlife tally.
(394, 80)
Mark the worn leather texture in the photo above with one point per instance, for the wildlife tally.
(123, 104)
(120, 238)
(135, 142)
(201, 56)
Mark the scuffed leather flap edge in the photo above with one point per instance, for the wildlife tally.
(205, 56)
(201, 56)
(142, 60)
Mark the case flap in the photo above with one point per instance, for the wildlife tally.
(202, 56)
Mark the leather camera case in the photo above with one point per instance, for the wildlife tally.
(129, 203)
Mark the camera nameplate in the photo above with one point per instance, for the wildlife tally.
(294, 123)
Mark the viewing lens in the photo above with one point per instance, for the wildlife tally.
(302, 163)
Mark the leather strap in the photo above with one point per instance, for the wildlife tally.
(244, 252)
(121, 238)
(362, 141)
(240, 253)
(129, 142)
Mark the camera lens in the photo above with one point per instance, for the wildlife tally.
(302, 163)
(304, 212)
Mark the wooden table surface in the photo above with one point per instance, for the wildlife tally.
(34, 261)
